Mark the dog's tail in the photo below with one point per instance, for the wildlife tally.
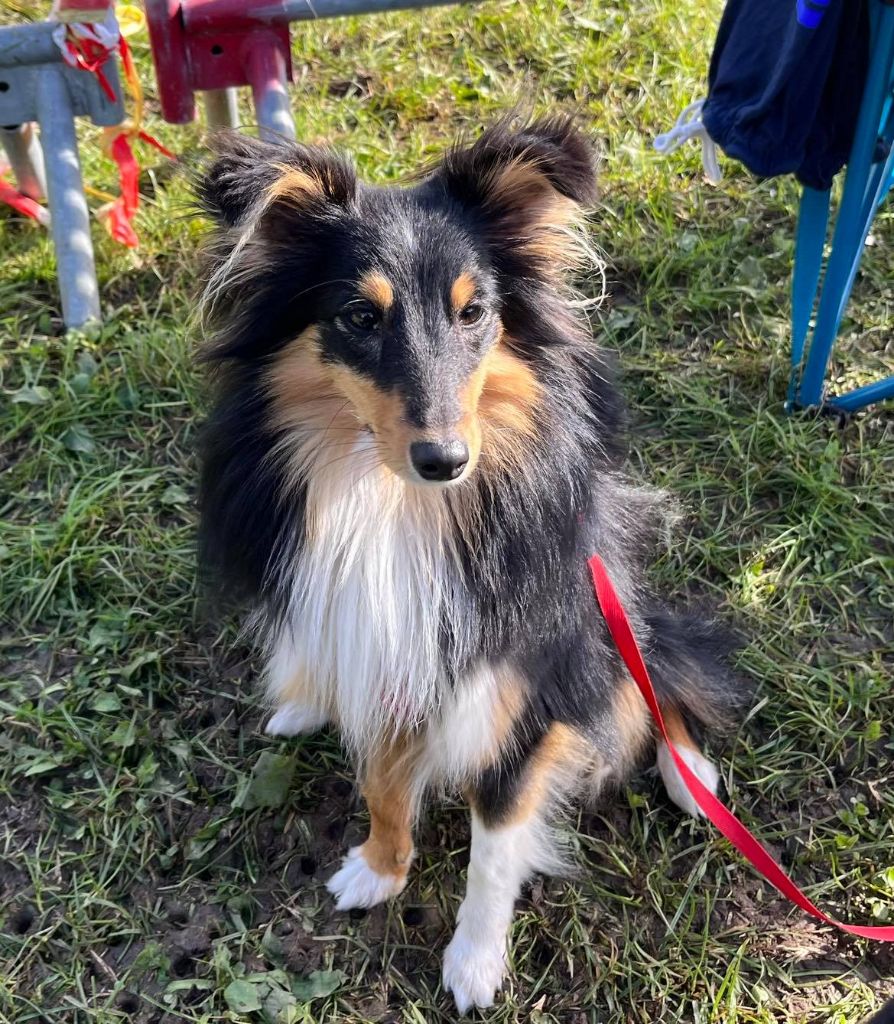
(690, 662)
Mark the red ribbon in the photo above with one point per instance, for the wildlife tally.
(119, 214)
(734, 830)
(91, 56)
(22, 203)
(152, 141)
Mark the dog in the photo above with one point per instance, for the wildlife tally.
(415, 444)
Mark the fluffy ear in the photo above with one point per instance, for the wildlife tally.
(250, 176)
(273, 204)
(525, 185)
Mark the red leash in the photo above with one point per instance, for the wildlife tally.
(724, 819)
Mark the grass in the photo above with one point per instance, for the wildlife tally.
(156, 864)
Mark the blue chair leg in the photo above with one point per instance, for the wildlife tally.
(854, 215)
(867, 395)
(813, 218)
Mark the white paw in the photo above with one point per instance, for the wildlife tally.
(295, 719)
(473, 969)
(673, 780)
(356, 884)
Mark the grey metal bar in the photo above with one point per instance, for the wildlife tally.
(26, 159)
(75, 267)
(266, 71)
(308, 10)
(221, 108)
(21, 45)
(205, 15)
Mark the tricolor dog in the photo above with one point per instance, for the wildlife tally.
(414, 447)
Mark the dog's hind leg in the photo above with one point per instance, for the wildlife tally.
(688, 749)
(377, 870)
(632, 733)
(690, 666)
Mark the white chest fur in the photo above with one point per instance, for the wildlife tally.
(369, 591)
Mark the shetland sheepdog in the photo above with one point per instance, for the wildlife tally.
(414, 447)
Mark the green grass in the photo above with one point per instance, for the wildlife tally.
(138, 881)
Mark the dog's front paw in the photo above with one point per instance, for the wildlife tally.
(293, 719)
(356, 884)
(676, 788)
(473, 969)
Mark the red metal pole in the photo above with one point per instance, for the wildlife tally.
(172, 69)
(232, 15)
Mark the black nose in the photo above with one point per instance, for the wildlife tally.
(434, 461)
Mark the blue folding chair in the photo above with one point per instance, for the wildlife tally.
(869, 176)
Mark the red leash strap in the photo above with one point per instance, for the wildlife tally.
(750, 848)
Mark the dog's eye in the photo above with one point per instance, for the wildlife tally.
(364, 316)
(471, 314)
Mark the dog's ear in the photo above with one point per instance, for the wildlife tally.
(525, 185)
(248, 177)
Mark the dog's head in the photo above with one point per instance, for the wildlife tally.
(402, 308)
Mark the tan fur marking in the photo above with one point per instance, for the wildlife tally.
(305, 396)
(676, 727)
(384, 412)
(507, 707)
(294, 187)
(377, 288)
(631, 723)
(508, 396)
(312, 414)
(332, 404)
(518, 181)
(539, 217)
(560, 747)
(462, 291)
(387, 790)
(523, 184)
(300, 690)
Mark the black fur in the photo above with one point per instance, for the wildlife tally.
(496, 791)
(528, 596)
(885, 1015)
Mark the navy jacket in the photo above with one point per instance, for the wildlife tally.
(785, 85)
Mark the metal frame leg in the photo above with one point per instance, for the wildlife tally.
(25, 158)
(266, 71)
(859, 398)
(75, 266)
(810, 240)
(221, 108)
(858, 203)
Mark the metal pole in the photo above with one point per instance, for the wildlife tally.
(211, 15)
(309, 10)
(859, 398)
(75, 267)
(265, 68)
(23, 45)
(221, 108)
(164, 19)
(25, 158)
